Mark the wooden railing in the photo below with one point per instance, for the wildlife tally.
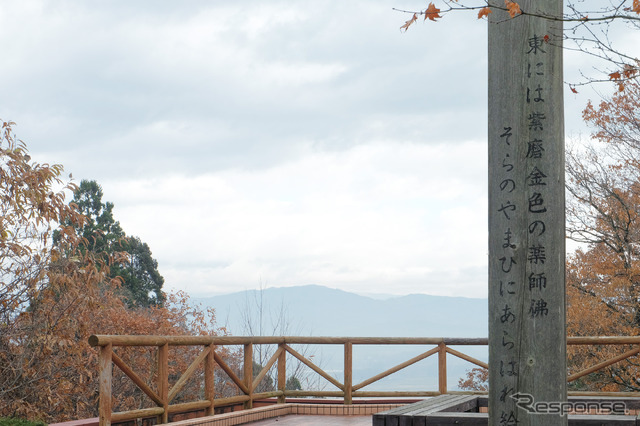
(347, 390)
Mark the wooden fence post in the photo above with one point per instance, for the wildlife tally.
(163, 381)
(106, 368)
(348, 373)
(248, 373)
(209, 380)
(282, 373)
(442, 368)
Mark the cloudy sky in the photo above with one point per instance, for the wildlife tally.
(271, 142)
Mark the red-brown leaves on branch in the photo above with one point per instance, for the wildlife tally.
(485, 11)
(432, 13)
(53, 296)
(409, 22)
(477, 379)
(603, 211)
(513, 8)
(622, 77)
(616, 119)
(629, 71)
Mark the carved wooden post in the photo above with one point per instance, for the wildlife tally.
(282, 373)
(248, 373)
(106, 368)
(163, 381)
(348, 373)
(527, 332)
(209, 380)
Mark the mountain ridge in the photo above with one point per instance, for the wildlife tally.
(319, 310)
(314, 310)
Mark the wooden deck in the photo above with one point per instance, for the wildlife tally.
(465, 410)
(443, 409)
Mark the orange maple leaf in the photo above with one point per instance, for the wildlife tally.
(432, 12)
(614, 76)
(573, 89)
(485, 11)
(629, 71)
(409, 22)
(513, 8)
(636, 6)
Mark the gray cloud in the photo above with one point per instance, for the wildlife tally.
(144, 89)
(290, 142)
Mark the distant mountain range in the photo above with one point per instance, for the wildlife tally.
(320, 311)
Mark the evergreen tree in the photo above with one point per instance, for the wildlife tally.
(100, 230)
(293, 383)
(103, 235)
(142, 281)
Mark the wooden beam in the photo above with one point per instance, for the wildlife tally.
(223, 365)
(184, 378)
(136, 379)
(314, 367)
(282, 373)
(248, 373)
(136, 340)
(442, 368)
(123, 416)
(163, 382)
(603, 364)
(396, 368)
(266, 368)
(467, 358)
(106, 373)
(209, 381)
(348, 373)
(189, 406)
(603, 340)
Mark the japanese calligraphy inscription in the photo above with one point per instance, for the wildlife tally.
(527, 332)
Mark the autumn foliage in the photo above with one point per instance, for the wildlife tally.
(432, 12)
(586, 29)
(54, 296)
(476, 379)
(603, 276)
(603, 213)
(513, 9)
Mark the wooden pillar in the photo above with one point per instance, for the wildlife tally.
(527, 331)
(282, 373)
(209, 380)
(348, 373)
(442, 368)
(105, 369)
(248, 373)
(163, 381)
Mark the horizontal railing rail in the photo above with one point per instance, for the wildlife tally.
(248, 384)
